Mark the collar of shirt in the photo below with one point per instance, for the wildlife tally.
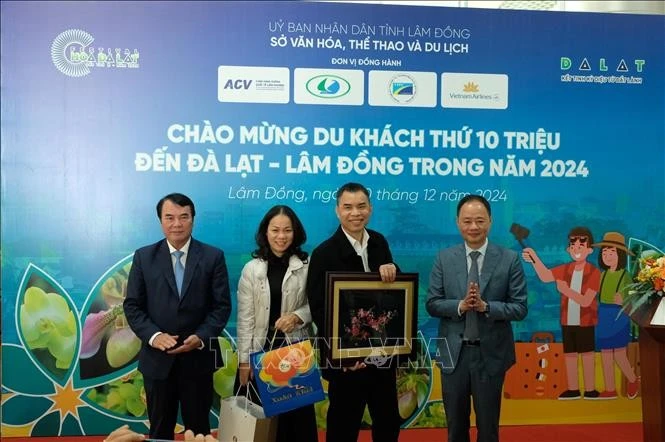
(184, 249)
(481, 258)
(358, 246)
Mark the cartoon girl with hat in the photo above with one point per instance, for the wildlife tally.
(613, 329)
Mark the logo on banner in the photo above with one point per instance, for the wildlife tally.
(601, 65)
(73, 54)
(402, 88)
(471, 87)
(602, 71)
(253, 84)
(328, 86)
(407, 89)
(474, 91)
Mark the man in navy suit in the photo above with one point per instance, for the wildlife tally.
(178, 303)
(475, 304)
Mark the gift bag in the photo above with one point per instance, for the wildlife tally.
(241, 420)
(287, 377)
(539, 372)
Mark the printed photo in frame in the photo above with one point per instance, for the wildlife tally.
(367, 318)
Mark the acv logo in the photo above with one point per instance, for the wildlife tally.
(328, 86)
(66, 49)
(237, 84)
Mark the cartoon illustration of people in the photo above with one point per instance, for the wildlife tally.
(613, 330)
(578, 283)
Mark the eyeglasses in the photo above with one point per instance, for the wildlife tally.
(581, 239)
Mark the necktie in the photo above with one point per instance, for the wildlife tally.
(471, 320)
(179, 270)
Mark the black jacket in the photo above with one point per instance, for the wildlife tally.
(336, 254)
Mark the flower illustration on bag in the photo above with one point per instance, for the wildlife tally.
(280, 366)
(366, 324)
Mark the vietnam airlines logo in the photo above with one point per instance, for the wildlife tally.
(471, 87)
(328, 86)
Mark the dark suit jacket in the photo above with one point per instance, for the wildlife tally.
(502, 285)
(336, 254)
(152, 305)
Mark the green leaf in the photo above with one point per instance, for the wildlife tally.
(21, 410)
(136, 406)
(22, 375)
(47, 425)
(423, 393)
(128, 391)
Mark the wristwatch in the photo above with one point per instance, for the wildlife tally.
(487, 308)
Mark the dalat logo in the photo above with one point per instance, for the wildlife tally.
(238, 84)
(587, 64)
(328, 86)
(471, 87)
(72, 54)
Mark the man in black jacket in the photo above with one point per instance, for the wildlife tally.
(353, 248)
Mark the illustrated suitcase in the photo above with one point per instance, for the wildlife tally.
(539, 371)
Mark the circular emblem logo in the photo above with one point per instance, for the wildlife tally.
(328, 86)
(402, 88)
(68, 52)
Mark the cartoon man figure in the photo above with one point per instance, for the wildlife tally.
(578, 283)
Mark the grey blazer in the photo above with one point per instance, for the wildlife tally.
(502, 286)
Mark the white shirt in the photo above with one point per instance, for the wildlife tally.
(481, 258)
(574, 309)
(360, 247)
(184, 249)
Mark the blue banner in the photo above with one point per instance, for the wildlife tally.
(556, 118)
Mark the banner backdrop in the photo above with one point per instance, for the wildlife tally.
(556, 118)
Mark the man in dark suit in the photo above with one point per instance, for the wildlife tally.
(178, 303)
(353, 248)
(476, 302)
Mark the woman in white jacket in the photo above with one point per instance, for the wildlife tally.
(272, 300)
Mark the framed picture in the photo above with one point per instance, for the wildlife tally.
(370, 320)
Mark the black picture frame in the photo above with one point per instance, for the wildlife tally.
(370, 320)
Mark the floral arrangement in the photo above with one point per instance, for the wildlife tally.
(366, 324)
(650, 282)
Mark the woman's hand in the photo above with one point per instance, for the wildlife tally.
(245, 373)
(618, 299)
(288, 322)
(124, 434)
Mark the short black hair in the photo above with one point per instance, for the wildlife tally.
(352, 188)
(299, 236)
(175, 198)
(474, 197)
